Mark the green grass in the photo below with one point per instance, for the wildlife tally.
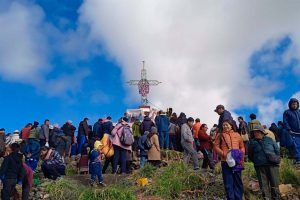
(64, 189)
(71, 170)
(249, 171)
(174, 179)
(147, 172)
(109, 193)
(288, 173)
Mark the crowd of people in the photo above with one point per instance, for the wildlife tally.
(105, 143)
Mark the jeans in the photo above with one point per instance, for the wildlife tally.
(207, 160)
(119, 157)
(296, 147)
(142, 161)
(81, 142)
(268, 177)
(164, 139)
(96, 171)
(8, 186)
(232, 182)
(53, 171)
(189, 151)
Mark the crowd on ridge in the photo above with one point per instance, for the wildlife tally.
(229, 142)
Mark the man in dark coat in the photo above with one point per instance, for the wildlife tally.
(163, 130)
(83, 133)
(97, 129)
(224, 115)
(146, 124)
(291, 123)
(69, 130)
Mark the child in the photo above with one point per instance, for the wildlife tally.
(95, 165)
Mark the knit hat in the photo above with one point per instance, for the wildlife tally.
(36, 123)
(258, 128)
(153, 129)
(97, 144)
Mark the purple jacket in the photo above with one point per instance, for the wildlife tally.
(116, 133)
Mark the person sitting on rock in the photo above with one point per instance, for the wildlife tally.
(95, 165)
(53, 165)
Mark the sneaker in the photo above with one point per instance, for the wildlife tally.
(102, 184)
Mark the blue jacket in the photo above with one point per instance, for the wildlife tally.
(163, 124)
(256, 153)
(291, 118)
(33, 148)
(141, 142)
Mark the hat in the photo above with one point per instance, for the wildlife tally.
(258, 128)
(218, 107)
(153, 129)
(97, 144)
(16, 131)
(69, 122)
(50, 127)
(36, 123)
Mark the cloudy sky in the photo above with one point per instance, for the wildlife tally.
(63, 59)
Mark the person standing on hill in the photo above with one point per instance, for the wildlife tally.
(69, 131)
(97, 129)
(196, 129)
(26, 131)
(107, 126)
(227, 144)
(291, 123)
(187, 140)
(83, 133)
(224, 115)
(206, 147)
(147, 124)
(267, 172)
(119, 148)
(154, 156)
(252, 123)
(243, 131)
(44, 134)
(163, 131)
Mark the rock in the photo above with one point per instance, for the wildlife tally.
(286, 189)
(254, 185)
(46, 196)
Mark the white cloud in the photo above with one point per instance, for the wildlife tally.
(269, 110)
(198, 49)
(297, 95)
(23, 48)
(27, 44)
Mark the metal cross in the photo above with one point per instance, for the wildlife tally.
(143, 85)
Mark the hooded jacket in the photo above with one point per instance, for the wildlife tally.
(147, 124)
(291, 117)
(186, 134)
(163, 124)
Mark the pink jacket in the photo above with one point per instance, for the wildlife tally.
(116, 133)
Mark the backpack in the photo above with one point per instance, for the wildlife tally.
(126, 137)
(147, 144)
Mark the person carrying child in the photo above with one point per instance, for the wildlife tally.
(95, 165)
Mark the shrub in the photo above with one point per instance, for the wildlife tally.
(288, 173)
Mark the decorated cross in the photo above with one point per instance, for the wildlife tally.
(143, 85)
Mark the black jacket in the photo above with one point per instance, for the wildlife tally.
(12, 167)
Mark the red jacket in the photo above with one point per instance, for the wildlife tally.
(204, 140)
